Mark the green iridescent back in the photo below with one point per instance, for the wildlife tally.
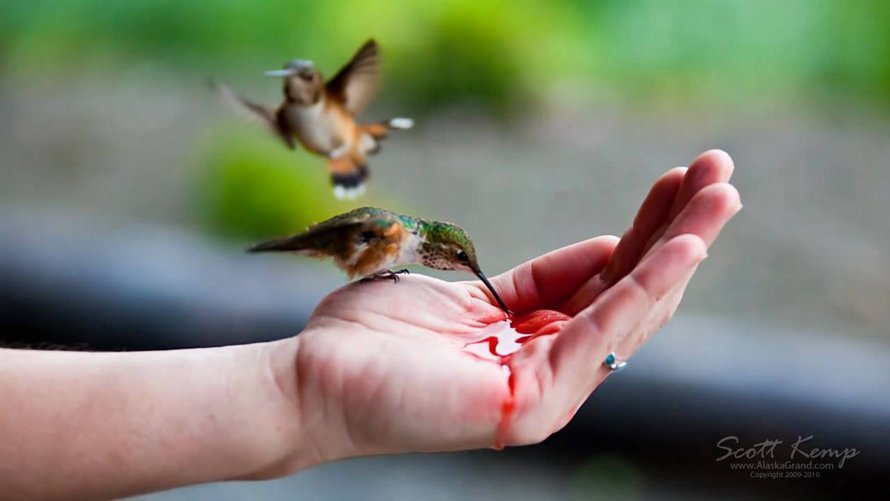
(354, 216)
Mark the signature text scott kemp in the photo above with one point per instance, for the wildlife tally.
(800, 449)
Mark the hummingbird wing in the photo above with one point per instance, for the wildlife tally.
(255, 113)
(356, 84)
(336, 236)
(372, 216)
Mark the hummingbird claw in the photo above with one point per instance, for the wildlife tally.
(388, 274)
(395, 274)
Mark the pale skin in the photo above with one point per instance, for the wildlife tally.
(378, 370)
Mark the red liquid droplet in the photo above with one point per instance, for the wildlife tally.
(499, 341)
(507, 409)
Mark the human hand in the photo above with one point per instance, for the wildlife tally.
(381, 368)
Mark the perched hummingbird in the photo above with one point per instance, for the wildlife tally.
(321, 115)
(369, 242)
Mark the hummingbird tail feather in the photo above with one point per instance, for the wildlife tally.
(351, 184)
(279, 244)
(380, 130)
(319, 240)
(400, 123)
(308, 244)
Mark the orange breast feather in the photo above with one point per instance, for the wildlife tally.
(381, 251)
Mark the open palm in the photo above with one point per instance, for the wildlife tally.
(381, 366)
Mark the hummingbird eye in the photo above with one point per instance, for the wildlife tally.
(462, 256)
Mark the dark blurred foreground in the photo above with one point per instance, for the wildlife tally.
(652, 430)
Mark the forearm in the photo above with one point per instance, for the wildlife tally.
(110, 424)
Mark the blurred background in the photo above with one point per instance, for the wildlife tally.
(128, 192)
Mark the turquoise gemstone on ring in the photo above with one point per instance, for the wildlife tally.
(612, 362)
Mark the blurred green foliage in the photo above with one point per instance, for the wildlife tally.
(248, 187)
(504, 55)
(499, 53)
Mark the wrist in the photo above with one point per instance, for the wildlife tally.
(311, 414)
(282, 444)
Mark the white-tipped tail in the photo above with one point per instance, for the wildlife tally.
(401, 123)
(344, 193)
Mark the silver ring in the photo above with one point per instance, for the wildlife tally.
(613, 363)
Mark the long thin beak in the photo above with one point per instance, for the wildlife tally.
(493, 292)
(279, 73)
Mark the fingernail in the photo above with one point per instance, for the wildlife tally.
(606, 274)
(701, 257)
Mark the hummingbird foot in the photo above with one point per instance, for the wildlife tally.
(386, 275)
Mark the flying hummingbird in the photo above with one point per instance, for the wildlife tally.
(320, 115)
(370, 242)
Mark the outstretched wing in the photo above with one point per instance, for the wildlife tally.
(255, 113)
(357, 82)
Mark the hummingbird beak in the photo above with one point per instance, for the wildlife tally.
(493, 292)
(292, 68)
(280, 73)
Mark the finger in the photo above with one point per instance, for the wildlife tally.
(706, 214)
(567, 370)
(658, 317)
(652, 213)
(705, 217)
(578, 352)
(712, 166)
(547, 280)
